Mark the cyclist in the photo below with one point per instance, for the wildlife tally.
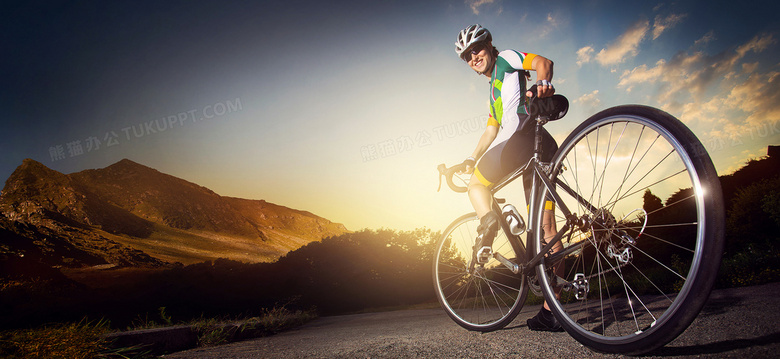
(508, 140)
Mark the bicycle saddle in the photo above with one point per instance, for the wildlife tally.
(552, 108)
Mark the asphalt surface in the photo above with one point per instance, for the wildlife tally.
(735, 323)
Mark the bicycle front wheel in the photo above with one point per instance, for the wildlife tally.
(478, 297)
(644, 246)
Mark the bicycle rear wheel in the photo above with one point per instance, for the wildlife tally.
(477, 297)
(648, 236)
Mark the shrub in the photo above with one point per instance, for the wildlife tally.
(752, 233)
(84, 339)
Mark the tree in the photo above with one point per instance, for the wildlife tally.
(652, 202)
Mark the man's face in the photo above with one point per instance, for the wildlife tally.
(479, 57)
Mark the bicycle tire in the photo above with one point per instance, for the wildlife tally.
(637, 296)
(487, 298)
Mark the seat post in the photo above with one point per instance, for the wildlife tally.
(538, 139)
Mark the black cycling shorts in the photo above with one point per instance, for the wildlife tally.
(508, 156)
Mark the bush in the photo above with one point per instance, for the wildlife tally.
(752, 233)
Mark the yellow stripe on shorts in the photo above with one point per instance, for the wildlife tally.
(482, 178)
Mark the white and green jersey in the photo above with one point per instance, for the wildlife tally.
(508, 86)
(507, 93)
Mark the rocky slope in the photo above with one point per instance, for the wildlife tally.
(128, 214)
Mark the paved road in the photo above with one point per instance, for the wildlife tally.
(735, 323)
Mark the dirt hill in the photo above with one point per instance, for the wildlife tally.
(128, 214)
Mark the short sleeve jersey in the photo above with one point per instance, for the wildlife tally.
(508, 85)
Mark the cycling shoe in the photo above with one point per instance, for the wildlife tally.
(544, 321)
(486, 232)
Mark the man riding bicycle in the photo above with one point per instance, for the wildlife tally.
(508, 141)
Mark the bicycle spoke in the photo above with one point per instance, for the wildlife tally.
(647, 186)
(661, 264)
(657, 288)
(668, 242)
(631, 167)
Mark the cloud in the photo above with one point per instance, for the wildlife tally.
(693, 73)
(731, 100)
(748, 112)
(642, 74)
(662, 23)
(625, 46)
(584, 55)
(713, 114)
(476, 4)
(757, 44)
(590, 99)
(551, 24)
(759, 97)
(749, 68)
(589, 102)
(552, 20)
(706, 39)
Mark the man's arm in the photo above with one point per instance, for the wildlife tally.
(544, 71)
(484, 143)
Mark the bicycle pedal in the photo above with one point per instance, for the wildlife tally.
(582, 286)
(484, 254)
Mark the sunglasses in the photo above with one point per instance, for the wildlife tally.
(474, 50)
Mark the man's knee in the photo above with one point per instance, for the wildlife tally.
(475, 184)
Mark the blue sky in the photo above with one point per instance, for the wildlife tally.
(345, 108)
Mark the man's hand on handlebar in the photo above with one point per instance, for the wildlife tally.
(448, 173)
(467, 166)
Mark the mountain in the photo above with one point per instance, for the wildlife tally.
(128, 214)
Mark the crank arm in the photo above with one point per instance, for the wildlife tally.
(507, 263)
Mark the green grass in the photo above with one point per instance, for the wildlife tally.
(212, 331)
(87, 339)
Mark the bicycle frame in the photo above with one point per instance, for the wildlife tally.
(540, 181)
(541, 186)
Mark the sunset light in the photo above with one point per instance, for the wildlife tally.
(344, 109)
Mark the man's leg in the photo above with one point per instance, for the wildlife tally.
(545, 320)
(550, 231)
(482, 200)
(480, 197)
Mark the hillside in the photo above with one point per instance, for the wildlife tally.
(128, 214)
(753, 171)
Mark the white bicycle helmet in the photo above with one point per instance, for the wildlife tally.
(469, 36)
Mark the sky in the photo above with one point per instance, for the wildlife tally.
(345, 108)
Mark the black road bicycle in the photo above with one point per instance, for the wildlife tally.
(634, 271)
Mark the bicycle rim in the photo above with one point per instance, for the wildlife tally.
(647, 244)
(486, 297)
